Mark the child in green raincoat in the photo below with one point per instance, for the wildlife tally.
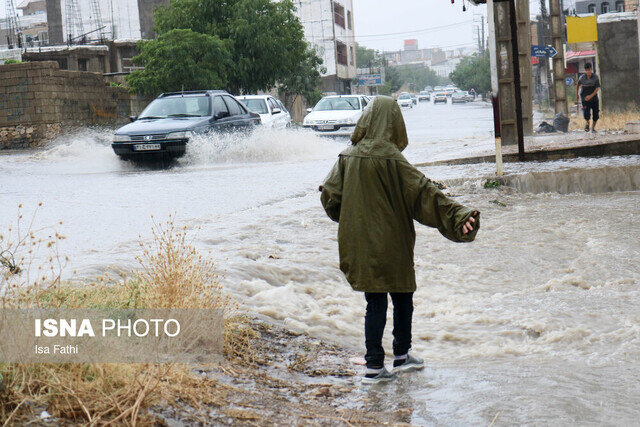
(375, 195)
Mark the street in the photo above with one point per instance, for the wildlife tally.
(549, 288)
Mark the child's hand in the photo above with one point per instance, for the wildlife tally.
(468, 226)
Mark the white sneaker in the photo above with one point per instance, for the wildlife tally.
(382, 376)
(411, 363)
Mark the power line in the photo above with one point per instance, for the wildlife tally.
(423, 30)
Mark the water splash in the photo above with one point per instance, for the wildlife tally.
(263, 145)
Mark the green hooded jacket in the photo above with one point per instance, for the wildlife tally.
(375, 194)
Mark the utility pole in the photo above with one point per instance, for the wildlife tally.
(507, 55)
(557, 39)
(494, 86)
(524, 59)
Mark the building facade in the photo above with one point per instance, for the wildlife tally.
(589, 7)
(328, 27)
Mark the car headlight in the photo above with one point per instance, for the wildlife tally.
(180, 135)
(121, 138)
(348, 121)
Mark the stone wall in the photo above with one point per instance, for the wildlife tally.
(619, 64)
(38, 100)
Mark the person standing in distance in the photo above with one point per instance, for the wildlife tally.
(588, 87)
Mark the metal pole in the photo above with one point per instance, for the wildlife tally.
(557, 38)
(516, 78)
(494, 86)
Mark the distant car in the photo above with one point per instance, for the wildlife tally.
(424, 96)
(272, 112)
(428, 89)
(414, 99)
(440, 97)
(404, 100)
(438, 89)
(449, 90)
(459, 97)
(470, 96)
(336, 114)
(166, 125)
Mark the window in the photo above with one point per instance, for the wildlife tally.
(605, 7)
(178, 106)
(620, 6)
(256, 105)
(219, 106)
(349, 20)
(82, 64)
(282, 107)
(338, 14)
(235, 109)
(342, 54)
(352, 57)
(272, 104)
(364, 102)
(592, 8)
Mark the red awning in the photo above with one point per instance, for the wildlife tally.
(582, 54)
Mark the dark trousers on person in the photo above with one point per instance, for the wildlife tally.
(376, 319)
(591, 107)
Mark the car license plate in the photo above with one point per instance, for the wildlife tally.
(326, 127)
(146, 147)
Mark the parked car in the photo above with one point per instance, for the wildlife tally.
(459, 97)
(166, 125)
(424, 96)
(404, 100)
(440, 97)
(336, 114)
(414, 99)
(271, 110)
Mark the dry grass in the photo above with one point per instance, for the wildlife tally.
(172, 274)
(609, 120)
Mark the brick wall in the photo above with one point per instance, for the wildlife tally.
(36, 98)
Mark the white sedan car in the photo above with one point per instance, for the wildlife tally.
(272, 112)
(336, 115)
(404, 100)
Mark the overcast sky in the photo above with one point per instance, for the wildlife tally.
(435, 23)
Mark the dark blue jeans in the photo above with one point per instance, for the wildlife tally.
(376, 319)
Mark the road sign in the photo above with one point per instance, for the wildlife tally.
(543, 51)
(370, 80)
(568, 81)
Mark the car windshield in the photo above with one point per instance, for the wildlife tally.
(404, 97)
(342, 103)
(178, 106)
(256, 105)
(440, 94)
(458, 94)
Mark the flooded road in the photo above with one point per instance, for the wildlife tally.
(539, 319)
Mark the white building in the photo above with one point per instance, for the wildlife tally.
(328, 26)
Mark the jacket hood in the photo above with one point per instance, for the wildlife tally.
(380, 129)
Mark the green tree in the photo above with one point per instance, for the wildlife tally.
(473, 72)
(265, 39)
(180, 59)
(305, 80)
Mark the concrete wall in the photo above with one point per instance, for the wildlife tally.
(145, 11)
(38, 100)
(619, 70)
(54, 19)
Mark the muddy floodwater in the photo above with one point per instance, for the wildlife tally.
(537, 320)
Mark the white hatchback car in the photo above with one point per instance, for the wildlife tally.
(336, 115)
(272, 112)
